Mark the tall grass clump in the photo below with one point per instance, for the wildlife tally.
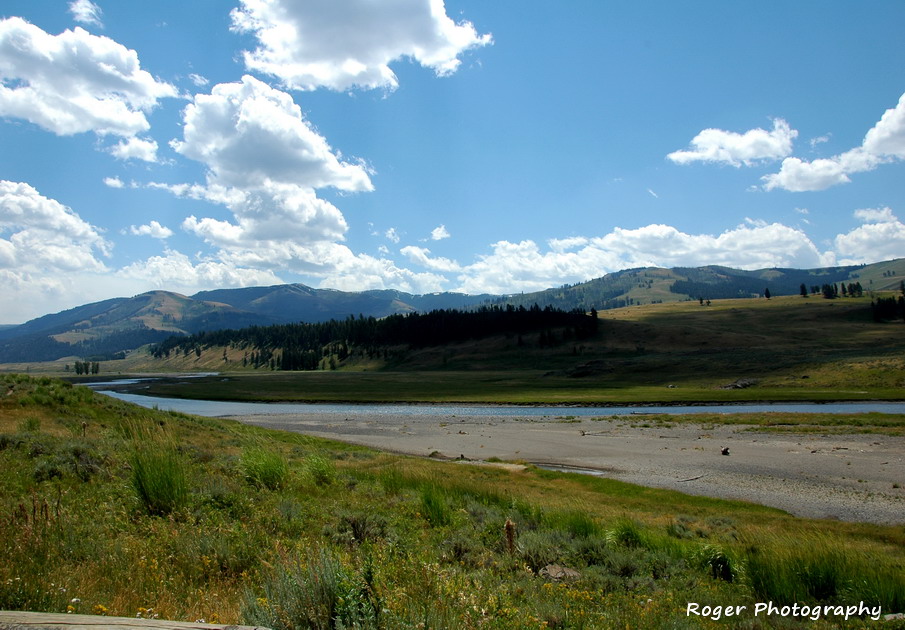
(263, 468)
(159, 479)
(822, 569)
(158, 472)
(434, 505)
(627, 533)
(718, 561)
(321, 469)
(578, 524)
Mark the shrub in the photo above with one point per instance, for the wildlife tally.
(30, 425)
(320, 595)
(357, 527)
(538, 549)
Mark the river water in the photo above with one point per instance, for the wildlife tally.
(213, 408)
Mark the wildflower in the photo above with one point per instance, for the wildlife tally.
(70, 608)
(100, 609)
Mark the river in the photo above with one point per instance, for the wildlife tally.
(213, 408)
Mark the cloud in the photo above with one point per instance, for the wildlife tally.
(439, 233)
(74, 82)
(735, 149)
(286, 213)
(250, 135)
(44, 249)
(880, 237)
(153, 229)
(796, 175)
(135, 149)
(421, 256)
(525, 266)
(86, 12)
(392, 235)
(883, 143)
(819, 140)
(350, 43)
(347, 271)
(198, 80)
(174, 271)
(264, 162)
(114, 182)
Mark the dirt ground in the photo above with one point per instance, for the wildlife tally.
(845, 477)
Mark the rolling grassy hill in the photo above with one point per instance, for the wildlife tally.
(103, 329)
(786, 348)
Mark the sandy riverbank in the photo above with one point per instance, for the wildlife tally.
(846, 477)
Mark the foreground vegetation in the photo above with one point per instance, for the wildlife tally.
(112, 509)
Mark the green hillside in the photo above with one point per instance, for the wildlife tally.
(104, 329)
(633, 287)
(785, 348)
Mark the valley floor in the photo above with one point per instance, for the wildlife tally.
(850, 477)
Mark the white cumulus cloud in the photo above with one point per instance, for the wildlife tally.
(526, 266)
(251, 135)
(135, 149)
(883, 143)
(737, 149)
(880, 237)
(174, 271)
(74, 82)
(421, 256)
(45, 248)
(265, 163)
(342, 44)
(439, 233)
(152, 229)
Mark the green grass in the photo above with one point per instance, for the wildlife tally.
(158, 478)
(778, 422)
(264, 468)
(290, 531)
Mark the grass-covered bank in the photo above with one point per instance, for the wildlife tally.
(525, 387)
(110, 508)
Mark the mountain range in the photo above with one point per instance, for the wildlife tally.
(105, 329)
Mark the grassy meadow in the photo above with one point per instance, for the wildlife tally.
(784, 349)
(112, 509)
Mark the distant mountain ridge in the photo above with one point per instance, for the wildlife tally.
(104, 329)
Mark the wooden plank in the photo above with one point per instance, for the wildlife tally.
(20, 620)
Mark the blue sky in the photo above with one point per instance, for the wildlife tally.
(468, 146)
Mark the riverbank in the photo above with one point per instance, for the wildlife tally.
(850, 477)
